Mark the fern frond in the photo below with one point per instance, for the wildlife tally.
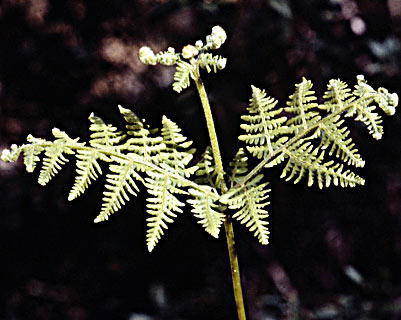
(336, 136)
(206, 208)
(206, 168)
(183, 71)
(239, 166)
(263, 124)
(32, 152)
(141, 142)
(163, 205)
(209, 62)
(303, 106)
(336, 96)
(327, 132)
(54, 156)
(249, 202)
(385, 100)
(363, 110)
(305, 159)
(87, 169)
(119, 184)
(104, 135)
(177, 155)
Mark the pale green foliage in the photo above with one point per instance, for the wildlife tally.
(141, 140)
(209, 62)
(206, 173)
(303, 106)
(263, 124)
(192, 58)
(120, 182)
(310, 139)
(54, 156)
(207, 208)
(88, 169)
(177, 154)
(303, 139)
(249, 202)
(248, 199)
(163, 205)
(140, 157)
(181, 76)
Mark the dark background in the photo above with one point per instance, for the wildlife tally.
(334, 254)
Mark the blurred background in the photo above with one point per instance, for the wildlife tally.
(334, 254)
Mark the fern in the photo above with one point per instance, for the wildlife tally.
(207, 209)
(139, 157)
(119, 183)
(306, 136)
(176, 154)
(140, 140)
(305, 159)
(31, 154)
(182, 76)
(263, 124)
(309, 139)
(249, 202)
(88, 169)
(209, 62)
(163, 205)
(104, 135)
(206, 173)
(54, 156)
(303, 106)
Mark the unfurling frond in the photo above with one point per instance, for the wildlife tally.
(207, 209)
(209, 62)
(303, 105)
(163, 205)
(141, 141)
(363, 108)
(385, 100)
(182, 75)
(191, 58)
(263, 125)
(249, 201)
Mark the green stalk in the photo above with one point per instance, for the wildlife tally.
(228, 226)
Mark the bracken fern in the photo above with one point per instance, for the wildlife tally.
(308, 138)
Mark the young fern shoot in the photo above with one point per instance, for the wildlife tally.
(309, 139)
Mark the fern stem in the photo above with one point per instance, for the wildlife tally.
(228, 226)
(239, 300)
(210, 125)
